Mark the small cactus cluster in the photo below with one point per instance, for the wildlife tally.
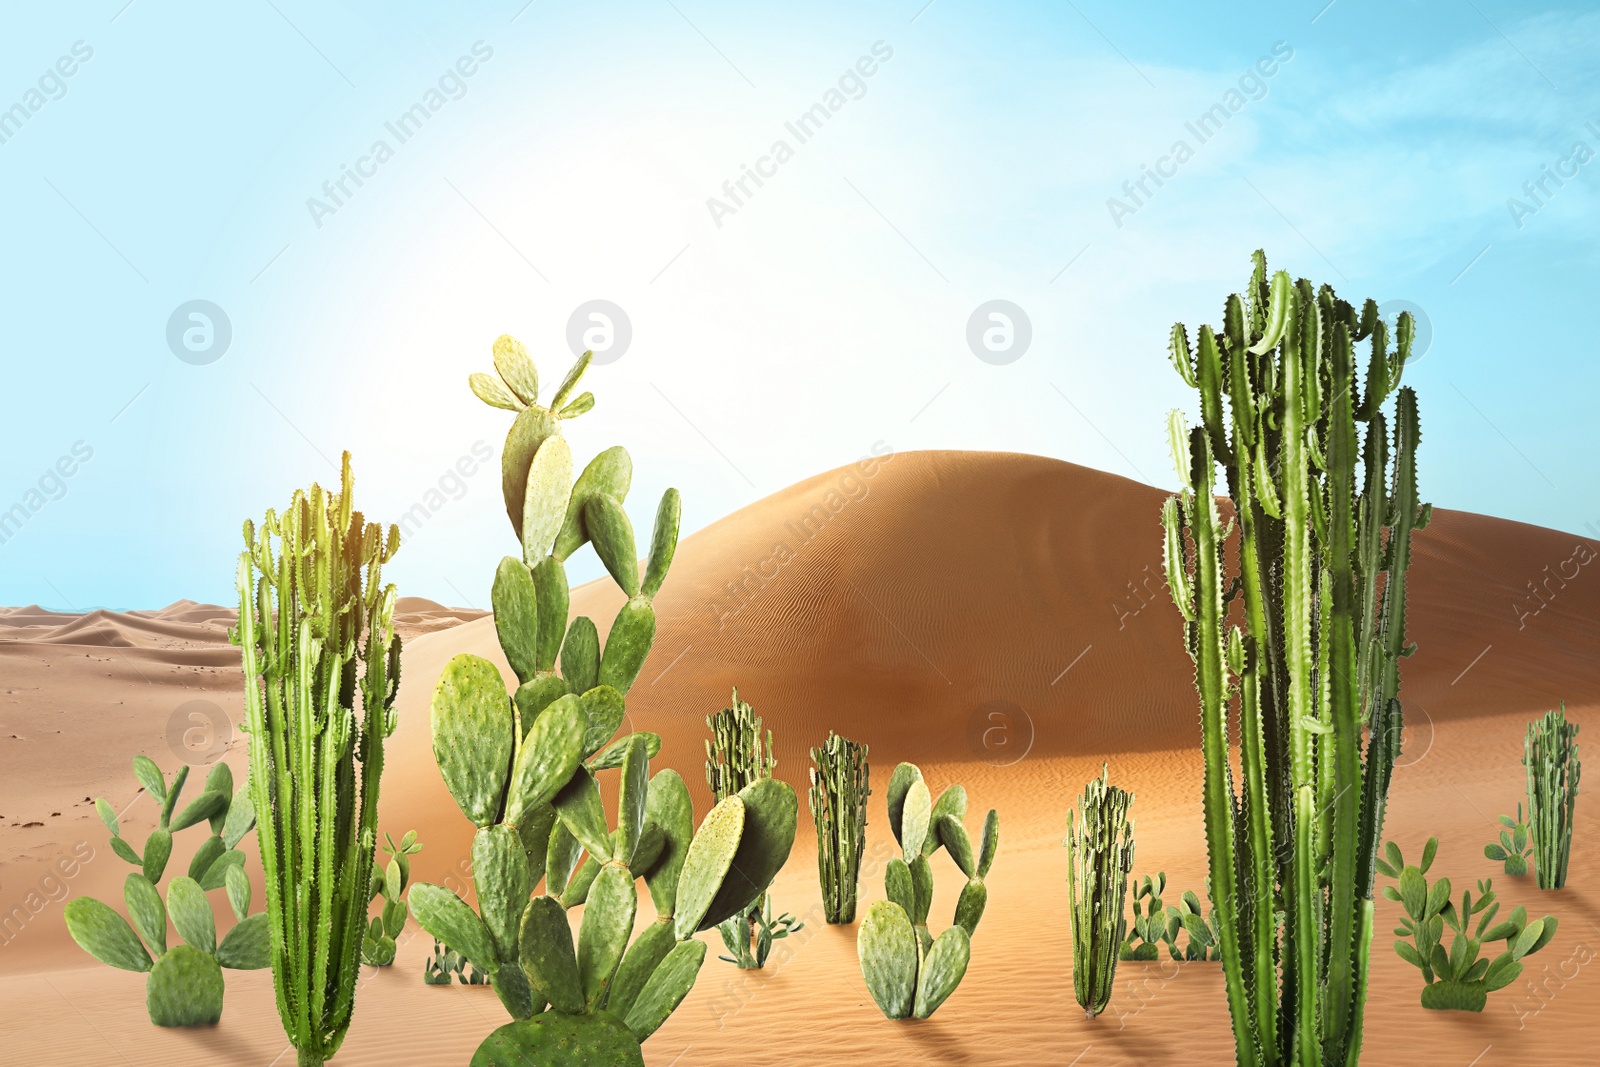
(446, 963)
(321, 672)
(839, 791)
(1513, 848)
(523, 768)
(1550, 754)
(908, 972)
(185, 985)
(1457, 977)
(1100, 850)
(1154, 925)
(379, 945)
(736, 756)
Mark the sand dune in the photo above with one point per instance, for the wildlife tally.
(1002, 620)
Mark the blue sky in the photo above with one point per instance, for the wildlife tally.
(822, 314)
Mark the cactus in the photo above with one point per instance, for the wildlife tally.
(379, 945)
(316, 628)
(1300, 647)
(1513, 848)
(908, 972)
(839, 792)
(736, 756)
(1550, 754)
(1457, 978)
(1154, 925)
(1100, 850)
(523, 768)
(445, 963)
(185, 986)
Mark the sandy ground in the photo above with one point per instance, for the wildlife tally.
(1001, 620)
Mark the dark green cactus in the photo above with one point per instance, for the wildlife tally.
(1513, 848)
(839, 791)
(1100, 849)
(736, 756)
(908, 972)
(445, 963)
(185, 985)
(1550, 754)
(316, 629)
(378, 946)
(1300, 646)
(523, 768)
(1457, 978)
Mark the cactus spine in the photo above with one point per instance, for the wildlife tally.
(839, 792)
(316, 628)
(185, 985)
(523, 768)
(1099, 859)
(908, 972)
(1324, 502)
(1550, 754)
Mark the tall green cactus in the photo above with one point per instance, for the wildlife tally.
(1301, 646)
(736, 756)
(185, 985)
(1550, 753)
(1099, 860)
(523, 767)
(839, 791)
(316, 628)
(909, 972)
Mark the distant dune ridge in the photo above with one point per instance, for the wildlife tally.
(1001, 619)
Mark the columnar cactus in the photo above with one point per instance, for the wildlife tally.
(1099, 845)
(1301, 646)
(379, 946)
(1550, 754)
(185, 985)
(736, 756)
(316, 628)
(908, 972)
(523, 767)
(1456, 978)
(839, 792)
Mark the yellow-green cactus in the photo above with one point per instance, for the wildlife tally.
(522, 766)
(909, 972)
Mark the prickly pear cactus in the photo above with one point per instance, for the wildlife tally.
(523, 765)
(1457, 978)
(185, 984)
(909, 972)
(380, 943)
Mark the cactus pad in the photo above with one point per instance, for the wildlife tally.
(472, 739)
(667, 987)
(552, 1039)
(185, 988)
(607, 925)
(706, 864)
(942, 970)
(771, 813)
(516, 616)
(887, 948)
(547, 955)
(105, 935)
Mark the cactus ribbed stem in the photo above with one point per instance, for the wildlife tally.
(1324, 502)
(1099, 859)
(839, 791)
(1550, 754)
(316, 626)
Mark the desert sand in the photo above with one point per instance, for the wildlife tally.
(1001, 620)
